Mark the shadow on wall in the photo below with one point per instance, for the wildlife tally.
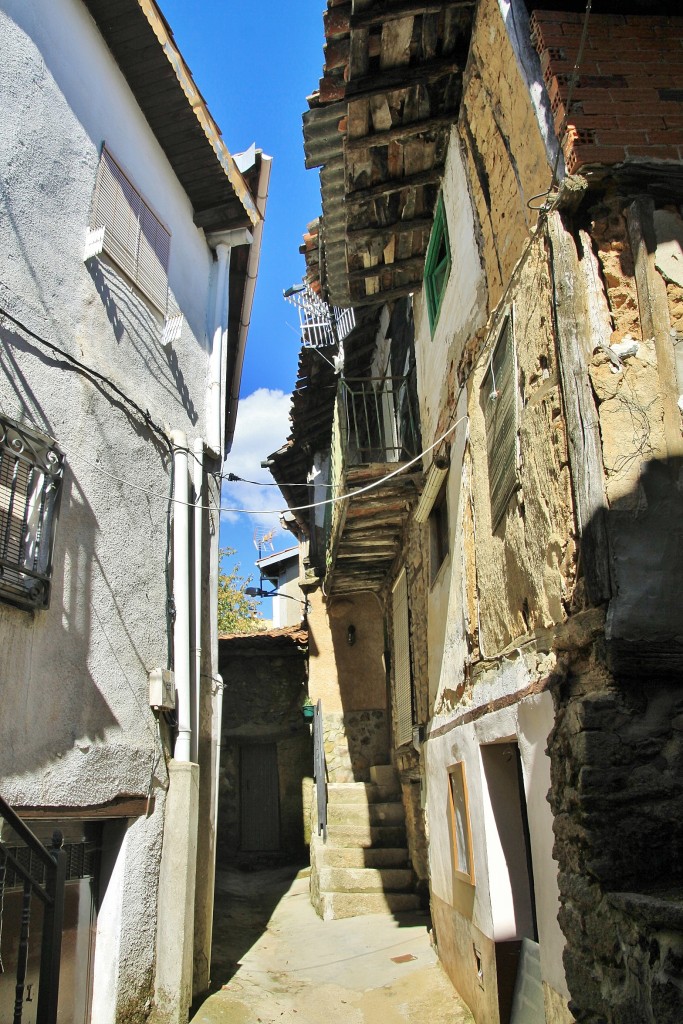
(617, 770)
(358, 736)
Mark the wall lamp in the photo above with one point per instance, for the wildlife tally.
(260, 592)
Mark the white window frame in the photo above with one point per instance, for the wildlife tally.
(125, 227)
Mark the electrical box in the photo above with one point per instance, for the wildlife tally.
(162, 689)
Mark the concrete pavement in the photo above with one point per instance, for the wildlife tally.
(282, 965)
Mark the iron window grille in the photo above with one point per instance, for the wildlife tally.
(31, 472)
(499, 403)
(125, 227)
(437, 264)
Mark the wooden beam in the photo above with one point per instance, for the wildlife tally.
(120, 807)
(387, 295)
(574, 350)
(653, 308)
(385, 10)
(399, 227)
(413, 263)
(385, 188)
(399, 132)
(402, 77)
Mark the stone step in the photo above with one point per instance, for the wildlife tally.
(380, 880)
(365, 835)
(360, 792)
(335, 905)
(365, 814)
(355, 857)
(385, 775)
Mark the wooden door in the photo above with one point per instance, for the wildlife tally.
(259, 799)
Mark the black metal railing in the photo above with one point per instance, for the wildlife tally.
(42, 874)
(379, 419)
(320, 770)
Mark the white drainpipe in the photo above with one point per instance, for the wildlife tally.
(223, 243)
(197, 479)
(181, 596)
(218, 346)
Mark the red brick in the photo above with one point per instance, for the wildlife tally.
(640, 121)
(666, 136)
(615, 137)
(601, 104)
(654, 152)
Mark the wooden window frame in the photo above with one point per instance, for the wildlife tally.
(403, 681)
(439, 545)
(499, 399)
(463, 871)
(125, 227)
(437, 264)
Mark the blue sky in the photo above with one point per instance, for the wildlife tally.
(255, 65)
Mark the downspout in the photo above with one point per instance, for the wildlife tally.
(197, 480)
(219, 345)
(181, 596)
(248, 297)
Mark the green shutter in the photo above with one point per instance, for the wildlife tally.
(437, 264)
(499, 402)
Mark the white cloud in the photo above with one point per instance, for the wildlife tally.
(262, 427)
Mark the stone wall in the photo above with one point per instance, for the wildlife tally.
(265, 685)
(354, 742)
(617, 783)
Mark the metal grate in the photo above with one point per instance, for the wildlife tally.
(130, 232)
(322, 326)
(31, 471)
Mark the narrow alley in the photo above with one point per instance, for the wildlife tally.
(276, 961)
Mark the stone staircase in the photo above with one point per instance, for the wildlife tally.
(363, 868)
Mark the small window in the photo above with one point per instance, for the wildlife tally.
(124, 227)
(438, 532)
(437, 264)
(31, 470)
(459, 814)
(499, 403)
(403, 691)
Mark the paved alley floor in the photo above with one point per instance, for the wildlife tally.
(278, 963)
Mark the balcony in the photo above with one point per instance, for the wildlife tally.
(375, 432)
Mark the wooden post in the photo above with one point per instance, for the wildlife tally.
(654, 314)
(574, 349)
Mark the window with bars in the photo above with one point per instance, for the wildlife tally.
(437, 264)
(500, 405)
(403, 691)
(125, 227)
(31, 471)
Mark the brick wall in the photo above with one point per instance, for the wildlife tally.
(627, 104)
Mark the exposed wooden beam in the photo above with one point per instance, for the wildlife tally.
(399, 132)
(399, 227)
(227, 215)
(387, 295)
(385, 188)
(386, 11)
(410, 264)
(402, 77)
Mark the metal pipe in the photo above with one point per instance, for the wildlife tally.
(197, 481)
(181, 596)
(214, 415)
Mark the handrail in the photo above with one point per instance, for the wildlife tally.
(51, 893)
(320, 770)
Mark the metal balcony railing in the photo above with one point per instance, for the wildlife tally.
(378, 420)
(42, 873)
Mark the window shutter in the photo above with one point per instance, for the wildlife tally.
(131, 233)
(499, 400)
(401, 633)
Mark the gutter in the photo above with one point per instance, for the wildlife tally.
(247, 301)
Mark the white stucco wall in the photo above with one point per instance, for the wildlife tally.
(76, 728)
